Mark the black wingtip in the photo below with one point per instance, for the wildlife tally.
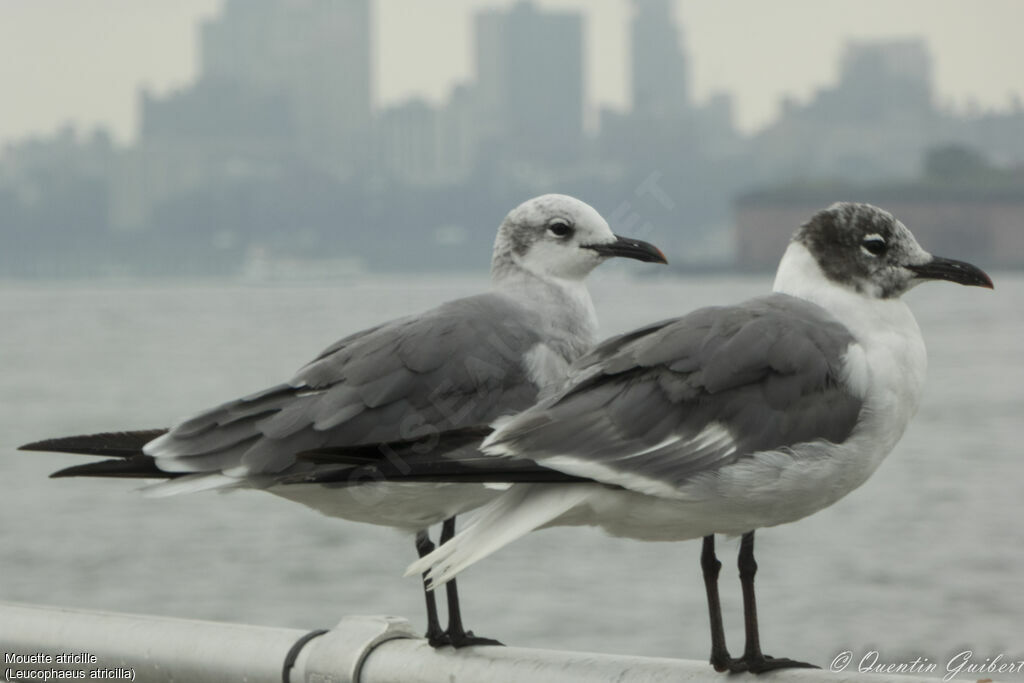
(69, 472)
(116, 444)
(137, 467)
(368, 454)
(44, 445)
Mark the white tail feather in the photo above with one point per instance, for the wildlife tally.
(190, 483)
(513, 514)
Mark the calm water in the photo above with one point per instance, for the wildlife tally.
(925, 560)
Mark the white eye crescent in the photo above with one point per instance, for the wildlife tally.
(874, 245)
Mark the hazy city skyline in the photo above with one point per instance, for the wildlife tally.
(80, 74)
(277, 150)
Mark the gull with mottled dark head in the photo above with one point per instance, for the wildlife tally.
(867, 249)
(726, 420)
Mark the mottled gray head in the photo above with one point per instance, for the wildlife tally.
(560, 236)
(865, 248)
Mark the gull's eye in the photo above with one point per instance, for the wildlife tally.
(874, 245)
(560, 227)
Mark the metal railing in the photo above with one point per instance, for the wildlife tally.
(36, 641)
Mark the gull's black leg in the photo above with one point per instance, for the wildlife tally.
(753, 659)
(434, 635)
(720, 658)
(457, 635)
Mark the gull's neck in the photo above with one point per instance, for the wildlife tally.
(884, 328)
(563, 303)
(800, 275)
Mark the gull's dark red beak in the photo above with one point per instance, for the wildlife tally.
(961, 272)
(627, 247)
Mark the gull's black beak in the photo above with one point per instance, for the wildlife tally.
(955, 271)
(630, 248)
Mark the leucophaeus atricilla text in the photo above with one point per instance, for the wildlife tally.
(466, 362)
(725, 420)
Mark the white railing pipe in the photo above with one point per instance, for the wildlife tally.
(36, 641)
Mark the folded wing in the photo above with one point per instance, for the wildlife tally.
(651, 409)
(460, 364)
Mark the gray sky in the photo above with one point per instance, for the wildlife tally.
(82, 60)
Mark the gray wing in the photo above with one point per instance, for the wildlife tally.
(456, 365)
(689, 395)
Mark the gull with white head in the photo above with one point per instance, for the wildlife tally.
(464, 363)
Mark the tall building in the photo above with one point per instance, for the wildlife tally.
(660, 74)
(664, 115)
(407, 140)
(282, 83)
(874, 122)
(882, 80)
(459, 134)
(318, 53)
(529, 82)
